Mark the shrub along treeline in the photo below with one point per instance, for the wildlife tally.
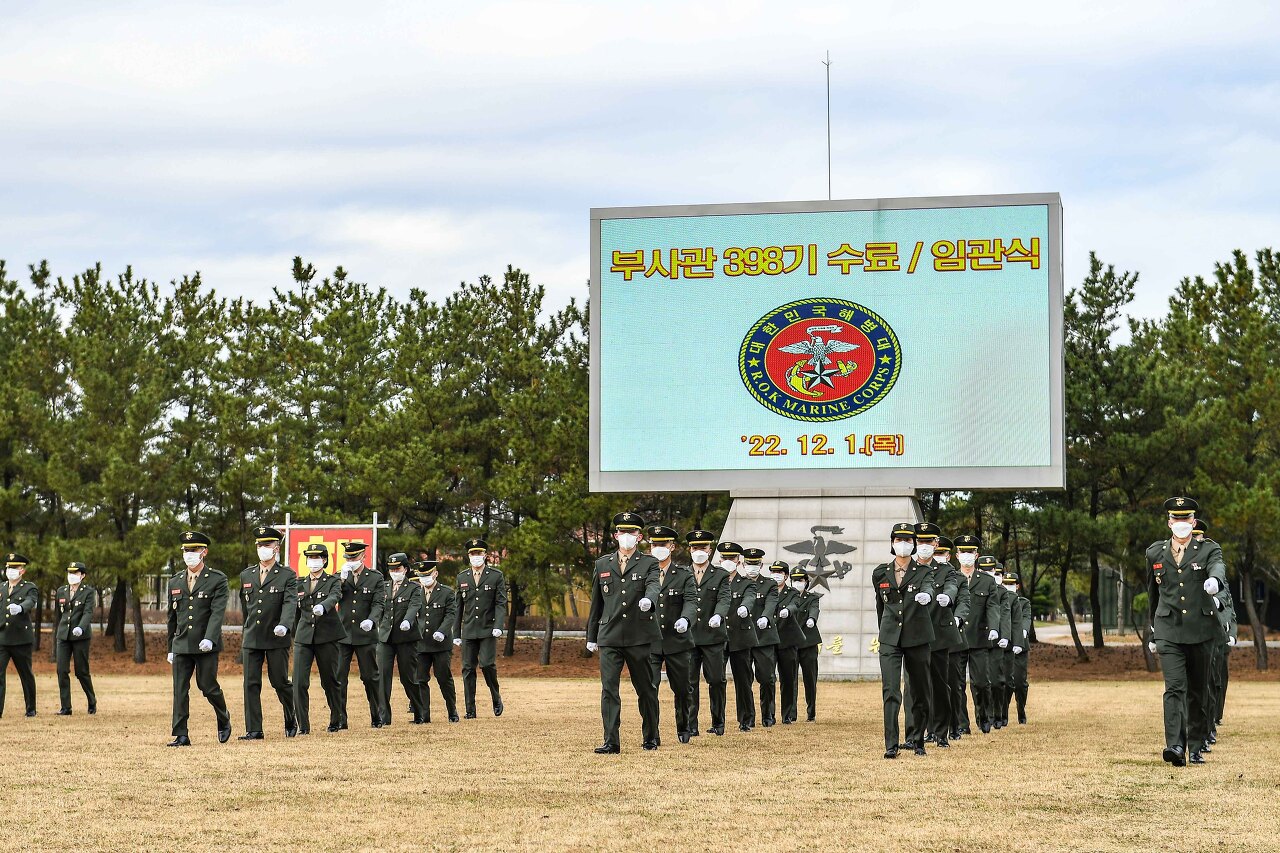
(132, 411)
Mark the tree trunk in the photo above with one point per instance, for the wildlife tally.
(573, 602)
(1081, 654)
(139, 636)
(115, 618)
(1095, 596)
(547, 637)
(509, 648)
(1255, 622)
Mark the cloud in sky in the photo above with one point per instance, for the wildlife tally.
(419, 146)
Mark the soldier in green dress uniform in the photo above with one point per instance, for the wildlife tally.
(949, 609)
(316, 636)
(810, 607)
(790, 639)
(364, 596)
(904, 591)
(982, 631)
(1002, 655)
(269, 602)
(677, 609)
(73, 625)
(710, 631)
(1019, 649)
(197, 607)
(18, 598)
(398, 637)
(435, 649)
(742, 632)
(482, 614)
(764, 657)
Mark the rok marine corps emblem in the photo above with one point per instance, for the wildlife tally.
(820, 359)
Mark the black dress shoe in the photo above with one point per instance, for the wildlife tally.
(787, 722)
(31, 713)
(986, 728)
(93, 709)
(1175, 755)
(290, 728)
(497, 708)
(997, 725)
(471, 715)
(180, 740)
(342, 727)
(607, 749)
(64, 712)
(224, 735)
(1196, 758)
(928, 738)
(377, 724)
(251, 736)
(453, 718)
(333, 727)
(693, 732)
(964, 730)
(1205, 748)
(683, 737)
(1022, 719)
(304, 732)
(743, 727)
(942, 743)
(718, 731)
(809, 719)
(919, 749)
(649, 745)
(891, 752)
(1213, 738)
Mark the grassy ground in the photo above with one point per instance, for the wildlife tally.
(1085, 775)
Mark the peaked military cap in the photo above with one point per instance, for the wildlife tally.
(354, 548)
(780, 566)
(423, 567)
(927, 530)
(987, 562)
(316, 549)
(659, 533)
(944, 544)
(799, 574)
(699, 537)
(15, 560)
(999, 567)
(627, 521)
(1181, 507)
(77, 566)
(968, 542)
(1199, 527)
(267, 534)
(1011, 577)
(195, 539)
(754, 556)
(475, 545)
(399, 558)
(903, 529)
(729, 549)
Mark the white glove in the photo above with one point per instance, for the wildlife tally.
(77, 631)
(280, 630)
(318, 610)
(366, 625)
(15, 609)
(1212, 586)
(714, 621)
(169, 657)
(1217, 602)
(923, 598)
(784, 613)
(944, 600)
(646, 605)
(593, 647)
(1017, 650)
(438, 637)
(1231, 641)
(497, 632)
(206, 645)
(1151, 647)
(457, 641)
(742, 612)
(762, 623)
(808, 623)
(957, 621)
(345, 573)
(404, 626)
(992, 634)
(682, 625)
(1004, 644)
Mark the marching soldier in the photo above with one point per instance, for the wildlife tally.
(950, 607)
(1221, 661)
(435, 649)
(807, 654)
(399, 635)
(364, 594)
(1019, 644)
(742, 632)
(790, 638)
(269, 604)
(197, 606)
(764, 657)
(17, 599)
(73, 625)
(316, 636)
(622, 628)
(957, 654)
(1185, 575)
(982, 633)
(482, 613)
(903, 595)
(709, 631)
(1001, 656)
(677, 609)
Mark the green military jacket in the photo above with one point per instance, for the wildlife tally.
(196, 612)
(402, 605)
(1181, 611)
(439, 613)
(363, 597)
(1019, 622)
(1227, 615)
(73, 611)
(711, 599)
(16, 630)
(327, 627)
(766, 605)
(742, 629)
(903, 622)
(984, 610)
(483, 606)
(810, 605)
(790, 627)
(616, 619)
(267, 604)
(945, 579)
(677, 599)
(1006, 614)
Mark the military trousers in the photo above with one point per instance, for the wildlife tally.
(1220, 692)
(205, 668)
(277, 661)
(439, 662)
(808, 656)
(678, 678)
(710, 660)
(1004, 660)
(765, 661)
(65, 653)
(959, 663)
(915, 660)
(325, 656)
(485, 653)
(1186, 683)
(366, 656)
(404, 657)
(788, 681)
(980, 662)
(1018, 684)
(636, 659)
(21, 657)
(941, 719)
(744, 699)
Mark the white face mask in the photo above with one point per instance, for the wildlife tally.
(191, 558)
(266, 553)
(967, 560)
(73, 578)
(476, 560)
(429, 580)
(315, 564)
(940, 559)
(699, 557)
(751, 571)
(902, 549)
(660, 553)
(627, 541)
(798, 586)
(1181, 529)
(397, 576)
(924, 552)
(13, 574)
(354, 564)
(729, 565)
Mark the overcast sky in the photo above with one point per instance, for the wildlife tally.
(419, 146)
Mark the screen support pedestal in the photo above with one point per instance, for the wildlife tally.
(791, 525)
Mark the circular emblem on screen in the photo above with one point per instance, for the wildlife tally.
(820, 359)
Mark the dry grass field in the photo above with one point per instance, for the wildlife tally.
(1085, 775)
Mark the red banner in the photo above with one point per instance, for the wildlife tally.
(299, 536)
